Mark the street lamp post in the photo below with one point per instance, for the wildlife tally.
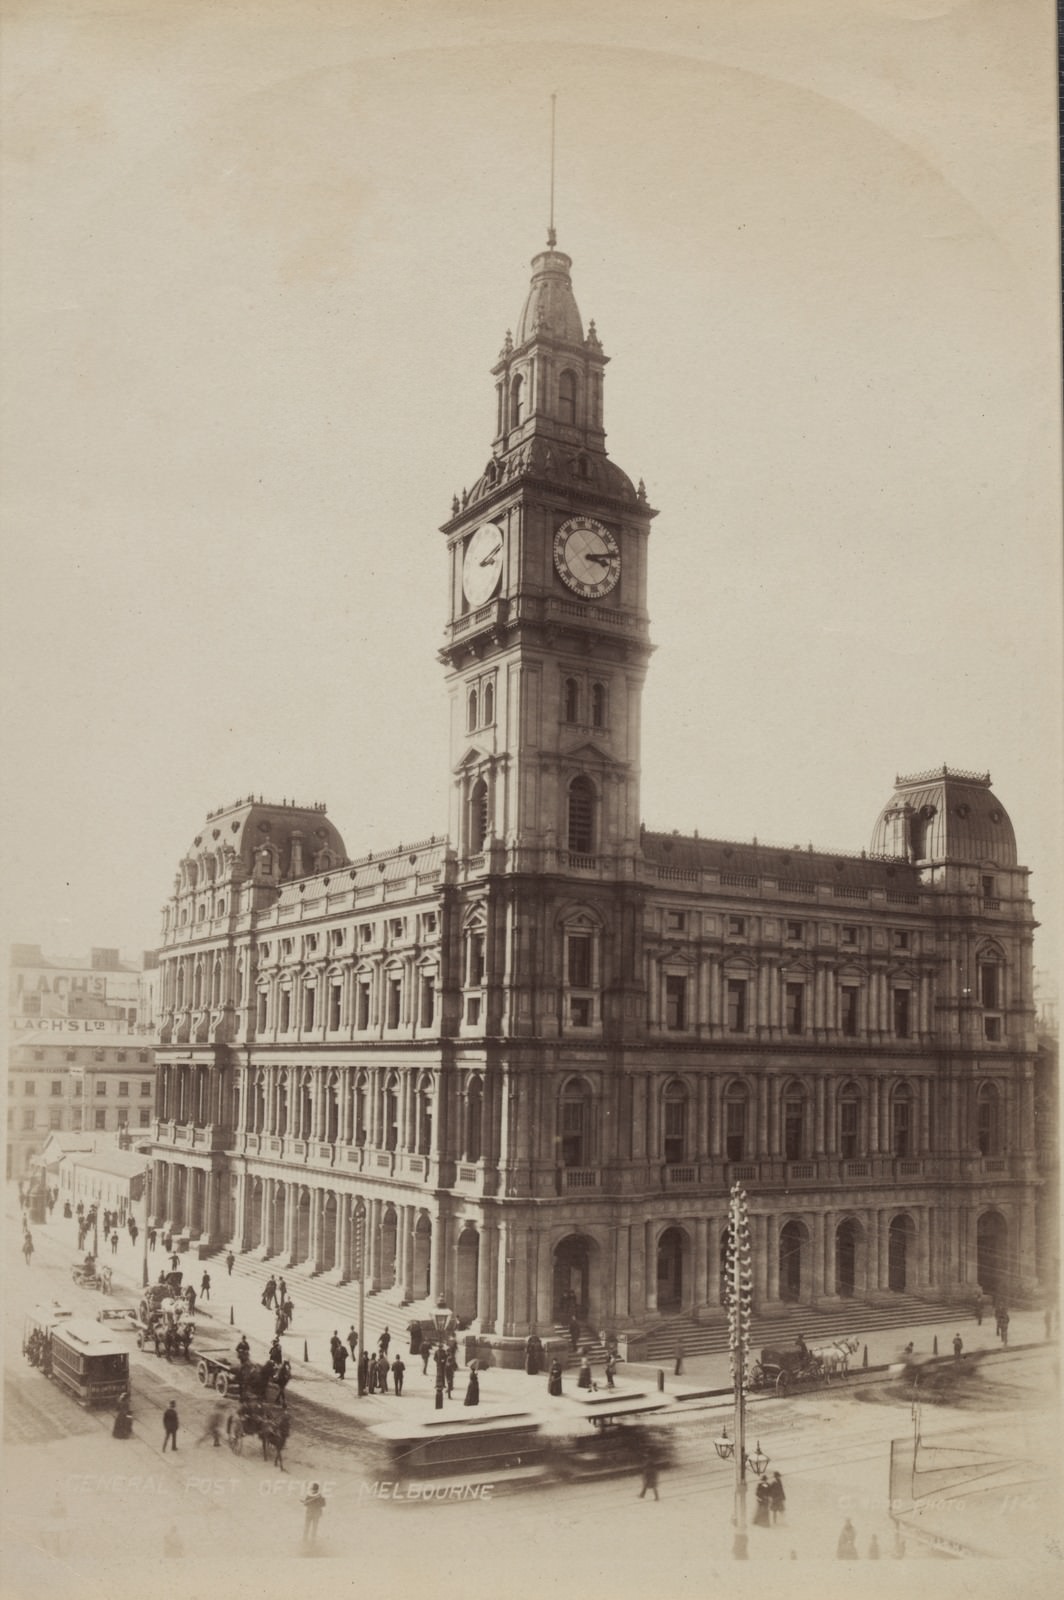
(360, 1246)
(738, 1289)
(441, 1316)
(147, 1215)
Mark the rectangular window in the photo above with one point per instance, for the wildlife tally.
(362, 1005)
(38, 1055)
(29, 1087)
(395, 996)
(336, 938)
(101, 1085)
(71, 1055)
(365, 932)
(675, 921)
(572, 1133)
(336, 995)
(144, 1116)
(848, 1114)
(428, 1002)
(848, 1003)
(428, 922)
(735, 1129)
(476, 960)
(902, 1013)
(145, 1089)
(989, 988)
(472, 1012)
(793, 1121)
(736, 998)
(990, 888)
(260, 1021)
(29, 1119)
(579, 960)
(75, 1119)
(901, 939)
(120, 1055)
(675, 1003)
(101, 1119)
(795, 930)
(142, 1055)
(992, 1029)
(737, 926)
(57, 1086)
(123, 1088)
(309, 997)
(77, 1089)
(580, 1010)
(398, 927)
(675, 1148)
(901, 1128)
(794, 1002)
(849, 934)
(286, 1010)
(55, 1118)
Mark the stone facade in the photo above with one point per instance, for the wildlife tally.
(535, 1054)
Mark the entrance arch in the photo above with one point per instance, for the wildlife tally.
(467, 1261)
(327, 1248)
(422, 1255)
(671, 1251)
(571, 1278)
(849, 1242)
(794, 1240)
(389, 1237)
(900, 1241)
(254, 1214)
(302, 1227)
(992, 1252)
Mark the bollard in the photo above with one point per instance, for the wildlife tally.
(232, 1319)
(934, 1346)
(305, 1356)
(661, 1379)
(864, 1358)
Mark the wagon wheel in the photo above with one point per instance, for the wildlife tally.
(783, 1382)
(203, 1373)
(221, 1383)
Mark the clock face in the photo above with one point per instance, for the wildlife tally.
(482, 563)
(587, 557)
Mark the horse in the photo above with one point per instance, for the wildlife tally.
(835, 1357)
(274, 1434)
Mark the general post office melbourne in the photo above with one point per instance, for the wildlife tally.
(532, 1056)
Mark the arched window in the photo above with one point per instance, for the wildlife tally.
(574, 1124)
(901, 1121)
(474, 1107)
(471, 710)
(849, 1114)
(674, 1123)
(305, 1106)
(489, 704)
(598, 705)
(735, 1118)
(478, 816)
(424, 1117)
(581, 822)
(390, 1112)
(179, 996)
(359, 1109)
(216, 982)
(571, 700)
(197, 985)
(332, 1108)
(987, 1120)
(282, 1105)
(567, 396)
(794, 1124)
(516, 406)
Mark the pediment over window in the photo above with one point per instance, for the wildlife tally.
(475, 756)
(590, 752)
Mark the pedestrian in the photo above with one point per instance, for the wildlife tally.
(279, 1325)
(289, 1311)
(205, 1286)
(873, 1548)
(385, 1341)
(114, 1241)
(170, 1426)
(282, 1291)
(190, 1299)
(276, 1352)
(472, 1394)
(340, 1362)
(269, 1292)
(314, 1504)
(398, 1371)
(611, 1368)
(649, 1476)
(678, 1369)
(846, 1549)
(334, 1345)
(282, 1380)
(27, 1246)
(533, 1355)
(133, 1231)
(214, 1427)
(123, 1423)
(764, 1503)
(777, 1499)
(371, 1375)
(958, 1346)
(450, 1367)
(363, 1372)
(243, 1350)
(382, 1373)
(554, 1378)
(583, 1380)
(574, 1332)
(230, 1260)
(175, 1261)
(999, 1308)
(352, 1340)
(426, 1351)
(153, 1238)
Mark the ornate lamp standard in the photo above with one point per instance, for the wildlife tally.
(738, 1288)
(360, 1249)
(442, 1318)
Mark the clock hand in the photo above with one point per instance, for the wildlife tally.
(487, 561)
(593, 555)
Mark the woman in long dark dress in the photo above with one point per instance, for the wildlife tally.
(472, 1394)
(583, 1380)
(554, 1381)
(123, 1425)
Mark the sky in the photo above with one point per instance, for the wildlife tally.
(259, 261)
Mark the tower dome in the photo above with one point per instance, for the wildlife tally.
(945, 815)
(550, 307)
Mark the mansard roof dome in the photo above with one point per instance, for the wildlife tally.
(946, 815)
(279, 840)
(550, 307)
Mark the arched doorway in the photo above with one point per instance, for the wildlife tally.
(327, 1248)
(302, 1229)
(422, 1256)
(899, 1243)
(254, 1214)
(670, 1269)
(467, 1260)
(275, 1241)
(848, 1237)
(389, 1231)
(571, 1278)
(991, 1252)
(792, 1240)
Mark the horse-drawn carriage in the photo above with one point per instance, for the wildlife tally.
(221, 1369)
(168, 1328)
(255, 1418)
(786, 1369)
(88, 1274)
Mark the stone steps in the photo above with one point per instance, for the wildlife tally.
(852, 1318)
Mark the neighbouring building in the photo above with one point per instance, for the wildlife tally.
(526, 1061)
(80, 1049)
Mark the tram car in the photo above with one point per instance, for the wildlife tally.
(444, 1457)
(88, 1362)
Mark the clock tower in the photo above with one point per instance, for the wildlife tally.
(547, 641)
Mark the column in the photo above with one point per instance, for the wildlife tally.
(762, 1143)
(622, 1292)
(343, 1237)
(264, 1214)
(702, 1127)
(772, 1085)
(873, 1117)
(240, 1221)
(872, 1235)
(716, 1129)
(653, 1144)
(437, 1249)
(650, 1260)
(818, 1286)
(761, 980)
(760, 1250)
(409, 1217)
(770, 1254)
(818, 1115)
(288, 1245)
(373, 1245)
(701, 1294)
(210, 1207)
(486, 1272)
(829, 1223)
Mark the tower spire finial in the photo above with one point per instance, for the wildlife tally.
(552, 237)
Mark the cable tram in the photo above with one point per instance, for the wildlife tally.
(467, 1457)
(89, 1362)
